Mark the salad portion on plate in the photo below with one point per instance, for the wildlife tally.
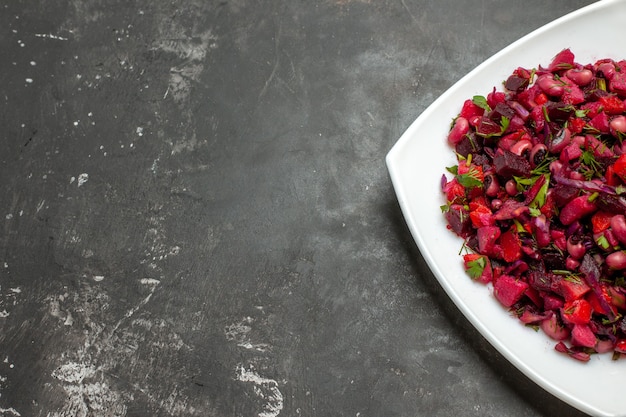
(417, 179)
(537, 194)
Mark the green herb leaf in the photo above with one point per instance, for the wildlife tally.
(545, 114)
(592, 167)
(476, 267)
(540, 198)
(504, 123)
(454, 170)
(573, 278)
(469, 181)
(481, 102)
(580, 113)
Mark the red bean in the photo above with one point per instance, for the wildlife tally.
(560, 141)
(616, 260)
(459, 130)
(538, 154)
(521, 146)
(617, 125)
(607, 69)
(492, 186)
(575, 247)
(580, 76)
(576, 209)
(618, 226)
(571, 264)
(511, 187)
(550, 86)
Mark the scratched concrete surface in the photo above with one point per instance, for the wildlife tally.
(197, 219)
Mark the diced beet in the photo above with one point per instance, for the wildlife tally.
(572, 94)
(540, 280)
(576, 311)
(459, 220)
(535, 296)
(558, 111)
(554, 329)
(562, 194)
(487, 237)
(507, 164)
(573, 289)
(470, 110)
(618, 84)
(469, 144)
(487, 127)
(502, 110)
(516, 83)
(511, 246)
(600, 150)
(495, 97)
(510, 210)
(552, 302)
(530, 316)
(601, 123)
(604, 346)
(564, 60)
(573, 353)
(570, 153)
(583, 336)
(508, 290)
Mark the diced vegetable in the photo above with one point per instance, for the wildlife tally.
(539, 196)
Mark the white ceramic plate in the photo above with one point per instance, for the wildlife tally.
(418, 160)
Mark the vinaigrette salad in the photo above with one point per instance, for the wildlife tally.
(539, 197)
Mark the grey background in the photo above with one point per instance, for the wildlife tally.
(197, 219)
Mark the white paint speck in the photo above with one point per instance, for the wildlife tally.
(29, 80)
(50, 36)
(73, 372)
(265, 388)
(76, 122)
(98, 278)
(82, 178)
(9, 216)
(16, 290)
(33, 63)
(13, 411)
(4, 314)
(139, 131)
(150, 281)
(240, 333)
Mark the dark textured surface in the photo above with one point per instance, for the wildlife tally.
(197, 219)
